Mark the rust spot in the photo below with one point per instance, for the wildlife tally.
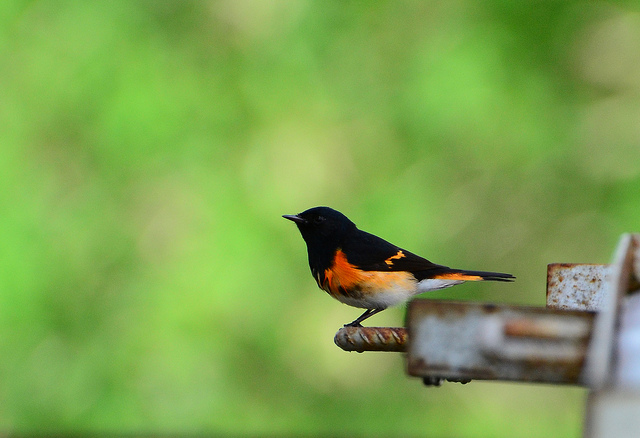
(491, 308)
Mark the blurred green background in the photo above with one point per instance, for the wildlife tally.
(147, 280)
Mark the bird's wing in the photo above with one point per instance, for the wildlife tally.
(371, 253)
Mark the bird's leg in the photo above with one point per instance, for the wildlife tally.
(367, 313)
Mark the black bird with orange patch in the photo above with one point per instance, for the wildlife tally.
(365, 271)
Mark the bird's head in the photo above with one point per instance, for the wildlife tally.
(322, 225)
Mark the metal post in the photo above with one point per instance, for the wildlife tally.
(613, 407)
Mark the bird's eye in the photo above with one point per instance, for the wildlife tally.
(318, 220)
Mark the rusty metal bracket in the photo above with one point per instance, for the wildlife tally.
(496, 342)
(589, 334)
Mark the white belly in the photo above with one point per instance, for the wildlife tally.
(399, 292)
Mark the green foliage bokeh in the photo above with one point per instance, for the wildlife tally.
(147, 280)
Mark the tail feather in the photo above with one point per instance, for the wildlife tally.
(457, 274)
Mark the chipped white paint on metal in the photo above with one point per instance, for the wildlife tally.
(573, 286)
(496, 342)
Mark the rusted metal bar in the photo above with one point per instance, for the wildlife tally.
(371, 339)
(461, 341)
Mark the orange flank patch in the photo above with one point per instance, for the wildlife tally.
(390, 260)
(458, 276)
(341, 274)
(346, 280)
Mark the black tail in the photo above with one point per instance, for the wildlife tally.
(459, 274)
(490, 276)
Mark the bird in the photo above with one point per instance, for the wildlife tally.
(365, 271)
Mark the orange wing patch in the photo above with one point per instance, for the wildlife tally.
(398, 255)
(458, 276)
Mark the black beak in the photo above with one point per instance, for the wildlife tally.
(294, 217)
